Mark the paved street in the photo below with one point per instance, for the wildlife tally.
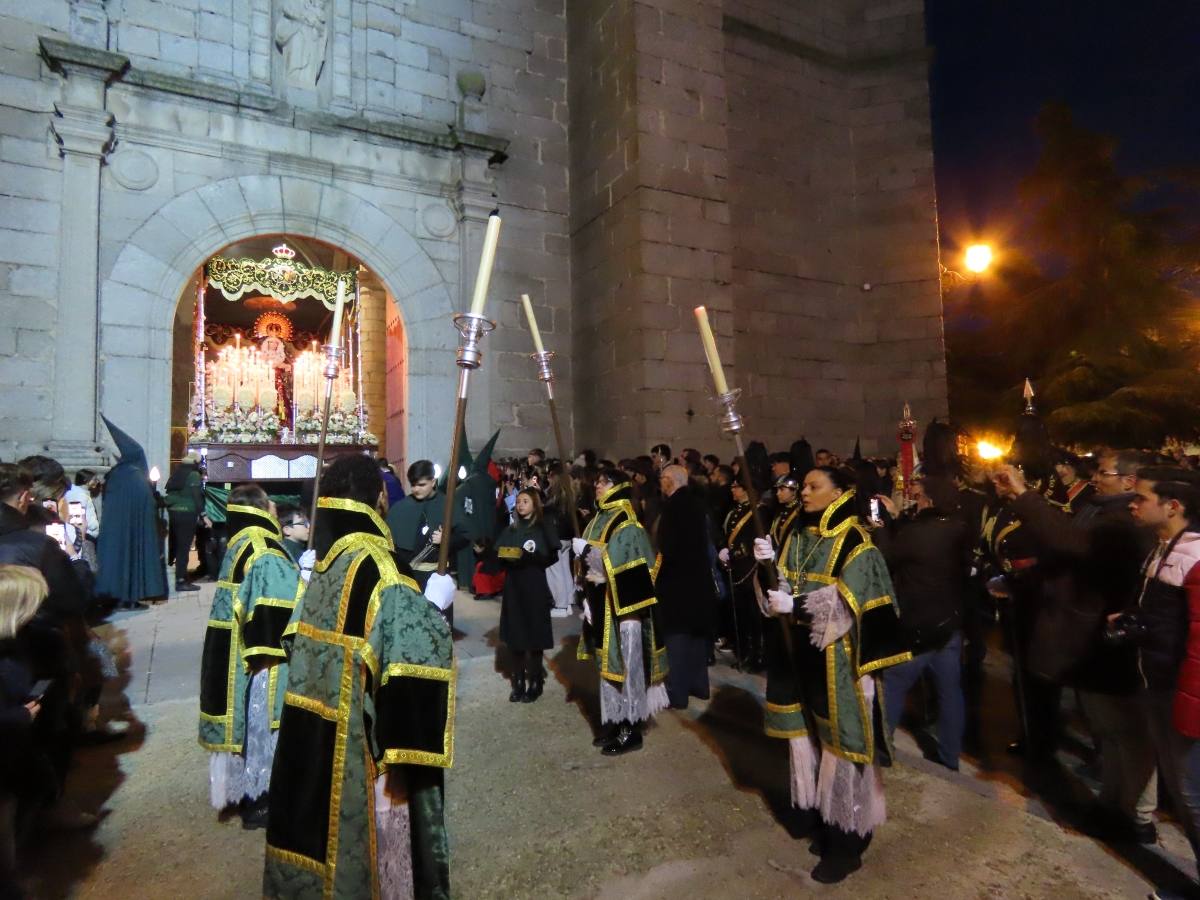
(535, 811)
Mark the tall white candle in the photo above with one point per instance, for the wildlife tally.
(486, 260)
(710, 350)
(533, 326)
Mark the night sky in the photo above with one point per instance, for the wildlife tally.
(1127, 68)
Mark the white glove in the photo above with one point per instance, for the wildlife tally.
(780, 603)
(579, 545)
(763, 551)
(439, 590)
(307, 560)
(723, 556)
(529, 546)
(595, 575)
(587, 612)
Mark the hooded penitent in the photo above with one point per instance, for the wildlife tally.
(940, 451)
(476, 510)
(129, 550)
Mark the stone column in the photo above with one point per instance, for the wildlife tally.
(83, 129)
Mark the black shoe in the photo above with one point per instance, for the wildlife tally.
(254, 814)
(131, 606)
(627, 739)
(607, 733)
(518, 689)
(1145, 833)
(834, 868)
(185, 587)
(535, 689)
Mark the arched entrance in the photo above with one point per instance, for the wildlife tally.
(270, 313)
(139, 298)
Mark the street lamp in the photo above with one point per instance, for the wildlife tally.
(978, 258)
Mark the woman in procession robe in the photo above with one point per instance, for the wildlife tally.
(835, 599)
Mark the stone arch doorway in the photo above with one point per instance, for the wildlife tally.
(139, 298)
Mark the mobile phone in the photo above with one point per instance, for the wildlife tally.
(58, 531)
(75, 513)
(38, 691)
(875, 517)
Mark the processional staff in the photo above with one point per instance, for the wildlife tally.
(732, 424)
(472, 326)
(543, 358)
(333, 363)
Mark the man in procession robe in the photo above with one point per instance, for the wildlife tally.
(620, 614)
(836, 601)
(243, 673)
(357, 804)
(737, 556)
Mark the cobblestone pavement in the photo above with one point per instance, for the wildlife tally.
(535, 811)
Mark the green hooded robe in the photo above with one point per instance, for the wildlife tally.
(371, 690)
(630, 565)
(820, 688)
(257, 589)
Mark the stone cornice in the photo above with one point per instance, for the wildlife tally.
(840, 62)
(62, 56)
(200, 90)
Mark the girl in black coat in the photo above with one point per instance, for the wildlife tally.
(526, 550)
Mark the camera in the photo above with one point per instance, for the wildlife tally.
(1127, 628)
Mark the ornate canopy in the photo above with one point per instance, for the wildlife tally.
(279, 276)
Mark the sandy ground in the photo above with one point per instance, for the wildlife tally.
(535, 811)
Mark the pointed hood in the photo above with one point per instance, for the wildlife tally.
(131, 452)
(484, 459)
(464, 462)
(857, 454)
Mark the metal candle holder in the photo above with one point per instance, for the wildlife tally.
(471, 330)
(731, 420)
(545, 371)
(333, 361)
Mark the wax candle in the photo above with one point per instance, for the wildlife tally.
(710, 350)
(486, 260)
(537, 335)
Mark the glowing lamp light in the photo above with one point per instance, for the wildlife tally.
(462, 473)
(978, 258)
(989, 451)
(437, 471)
(155, 474)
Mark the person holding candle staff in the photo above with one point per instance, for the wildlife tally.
(835, 597)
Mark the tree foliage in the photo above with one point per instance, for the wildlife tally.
(1103, 320)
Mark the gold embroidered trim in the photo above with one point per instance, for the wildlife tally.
(310, 705)
(355, 506)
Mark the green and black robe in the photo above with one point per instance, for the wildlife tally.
(257, 590)
(630, 565)
(370, 692)
(823, 689)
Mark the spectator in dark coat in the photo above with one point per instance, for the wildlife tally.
(1092, 561)
(929, 557)
(685, 589)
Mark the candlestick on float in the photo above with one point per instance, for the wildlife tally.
(472, 327)
(546, 375)
(333, 353)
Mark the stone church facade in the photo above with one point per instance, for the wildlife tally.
(770, 159)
